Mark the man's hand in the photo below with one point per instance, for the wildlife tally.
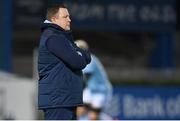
(81, 44)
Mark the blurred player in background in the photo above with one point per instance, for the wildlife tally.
(97, 89)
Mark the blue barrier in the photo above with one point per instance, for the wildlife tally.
(1, 34)
(143, 103)
(6, 35)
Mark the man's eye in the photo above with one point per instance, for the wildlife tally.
(65, 16)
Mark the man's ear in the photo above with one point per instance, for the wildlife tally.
(53, 19)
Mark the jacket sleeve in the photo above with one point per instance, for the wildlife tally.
(86, 53)
(63, 49)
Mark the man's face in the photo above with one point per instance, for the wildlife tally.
(62, 19)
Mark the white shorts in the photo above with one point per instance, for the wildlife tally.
(97, 100)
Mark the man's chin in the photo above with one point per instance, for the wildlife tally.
(68, 28)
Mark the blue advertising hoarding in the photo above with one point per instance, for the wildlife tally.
(124, 15)
(140, 103)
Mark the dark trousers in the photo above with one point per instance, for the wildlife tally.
(68, 113)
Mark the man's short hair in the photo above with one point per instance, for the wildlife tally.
(53, 10)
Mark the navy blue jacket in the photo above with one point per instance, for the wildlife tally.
(60, 63)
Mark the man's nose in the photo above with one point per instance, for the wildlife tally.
(69, 19)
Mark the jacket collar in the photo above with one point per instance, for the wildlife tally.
(49, 24)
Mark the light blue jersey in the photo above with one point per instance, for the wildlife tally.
(98, 82)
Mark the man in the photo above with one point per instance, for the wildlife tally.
(98, 89)
(60, 64)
